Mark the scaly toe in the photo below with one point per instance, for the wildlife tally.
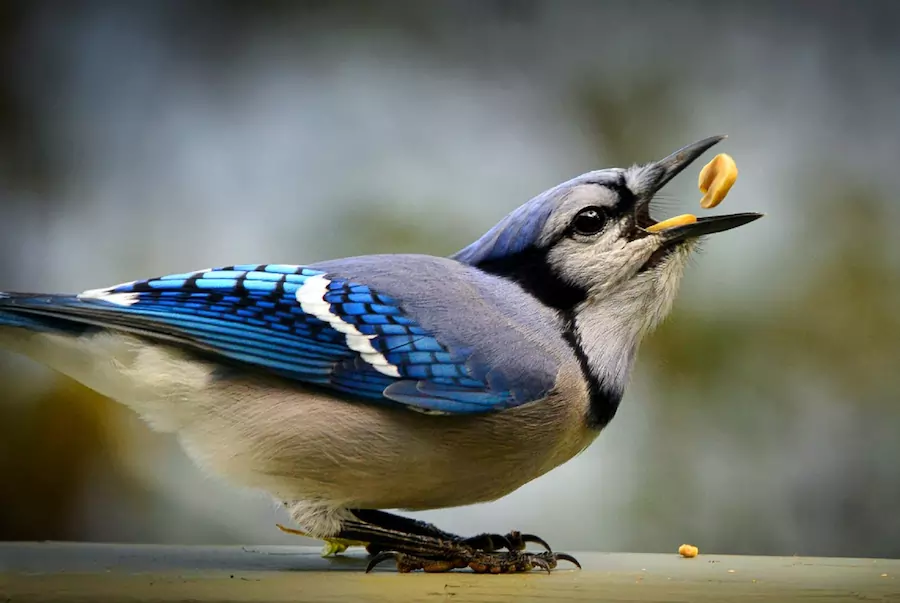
(410, 563)
(480, 562)
(381, 558)
(519, 541)
(489, 543)
(542, 563)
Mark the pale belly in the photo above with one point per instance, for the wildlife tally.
(313, 447)
(269, 434)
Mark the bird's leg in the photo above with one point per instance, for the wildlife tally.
(416, 545)
(513, 540)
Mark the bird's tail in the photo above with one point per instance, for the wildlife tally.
(23, 311)
(146, 378)
(33, 326)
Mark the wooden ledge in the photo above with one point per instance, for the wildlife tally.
(98, 573)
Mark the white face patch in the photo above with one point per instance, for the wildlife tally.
(311, 297)
(611, 325)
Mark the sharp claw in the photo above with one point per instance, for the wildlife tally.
(569, 558)
(380, 558)
(537, 540)
(541, 563)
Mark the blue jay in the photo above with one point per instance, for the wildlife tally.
(413, 382)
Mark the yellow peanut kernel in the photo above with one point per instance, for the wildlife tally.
(716, 179)
(688, 550)
(672, 223)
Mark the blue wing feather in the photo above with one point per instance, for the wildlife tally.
(250, 314)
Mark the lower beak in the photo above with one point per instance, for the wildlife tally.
(707, 226)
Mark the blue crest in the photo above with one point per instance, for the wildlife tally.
(522, 227)
(515, 233)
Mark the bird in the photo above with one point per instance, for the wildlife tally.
(350, 388)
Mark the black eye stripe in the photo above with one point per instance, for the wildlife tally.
(625, 198)
(626, 201)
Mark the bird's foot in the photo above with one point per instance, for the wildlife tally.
(488, 543)
(513, 541)
(416, 545)
(480, 562)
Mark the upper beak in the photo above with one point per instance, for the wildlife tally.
(666, 169)
(672, 165)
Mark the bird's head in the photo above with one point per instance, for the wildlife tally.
(585, 241)
(583, 248)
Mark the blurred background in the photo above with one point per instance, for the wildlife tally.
(145, 138)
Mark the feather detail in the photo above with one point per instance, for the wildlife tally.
(295, 321)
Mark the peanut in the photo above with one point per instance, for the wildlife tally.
(672, 223)
(688, 550)
(716, 179)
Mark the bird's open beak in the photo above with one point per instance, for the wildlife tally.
(665, 169)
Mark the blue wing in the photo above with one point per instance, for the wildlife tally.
(291, 320)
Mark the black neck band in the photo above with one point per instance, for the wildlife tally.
(532, 272)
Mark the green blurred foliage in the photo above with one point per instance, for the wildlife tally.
(624, 120)
(380, 228)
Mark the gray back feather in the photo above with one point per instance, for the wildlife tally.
(515, 340)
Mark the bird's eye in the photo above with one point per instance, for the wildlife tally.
(589, 221)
